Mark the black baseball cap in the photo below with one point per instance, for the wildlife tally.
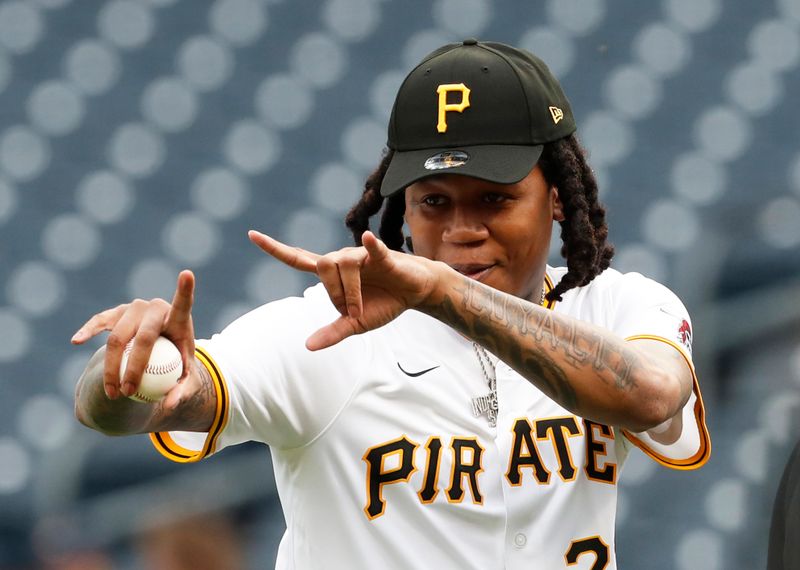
(480, 109)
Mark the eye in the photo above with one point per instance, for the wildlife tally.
(494, 198)
(432, 200)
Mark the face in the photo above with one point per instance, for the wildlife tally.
(498, 234)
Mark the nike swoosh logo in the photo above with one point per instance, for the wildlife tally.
(670, 313)
(415, 374)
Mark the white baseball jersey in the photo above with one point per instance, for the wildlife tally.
(381, 462)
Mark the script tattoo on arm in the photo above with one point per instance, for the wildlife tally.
(548, 349)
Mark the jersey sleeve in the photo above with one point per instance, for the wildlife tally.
(269, 387)
(646, 309)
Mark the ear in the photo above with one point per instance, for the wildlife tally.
(558, 207)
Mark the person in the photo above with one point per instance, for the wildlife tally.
(783, 552)
(208, 541)
(461, 404)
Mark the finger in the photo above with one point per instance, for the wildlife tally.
(139, 353)
(329, 275)
(376, 248)
(181, 312)
(122, 332)
(350, 274)
(179, 327)
(295, 257)
(331, 334)
(103, 321)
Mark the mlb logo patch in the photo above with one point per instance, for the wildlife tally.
(685, 334)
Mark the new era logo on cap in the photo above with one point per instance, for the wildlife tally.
(557, 114)
(446, 159)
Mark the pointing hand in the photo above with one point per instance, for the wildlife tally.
(369, 285)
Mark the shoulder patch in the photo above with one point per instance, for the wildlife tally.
(685, 335)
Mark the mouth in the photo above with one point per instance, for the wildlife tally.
(473, 270)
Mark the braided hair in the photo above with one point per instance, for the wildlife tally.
(584, 231)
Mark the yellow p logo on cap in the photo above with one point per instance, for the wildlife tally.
(444, 106)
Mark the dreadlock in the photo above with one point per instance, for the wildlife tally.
(584, 231)
(391, 228)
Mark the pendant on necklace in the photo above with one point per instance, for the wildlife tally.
(486, 405)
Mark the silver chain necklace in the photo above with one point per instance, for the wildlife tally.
(488, 404)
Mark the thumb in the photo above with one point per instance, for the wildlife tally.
(176, 395)
(331, 334)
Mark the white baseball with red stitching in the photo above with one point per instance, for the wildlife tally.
(161, 373)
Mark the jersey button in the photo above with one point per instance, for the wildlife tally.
(520, 540)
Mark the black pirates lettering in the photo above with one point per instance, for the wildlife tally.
(557, 430)
(430, 488)
(596, 448)
(525, 454)
(467, 462)
(591, 545)
(379, 475)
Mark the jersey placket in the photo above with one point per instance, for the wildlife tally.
(517, 540)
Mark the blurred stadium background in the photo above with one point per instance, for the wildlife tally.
(141, 137)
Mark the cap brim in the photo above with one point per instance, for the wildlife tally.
(504, 164)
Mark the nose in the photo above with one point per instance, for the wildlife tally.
(464, 226)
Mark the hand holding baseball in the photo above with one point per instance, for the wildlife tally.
(164, 369)
(143, 322)
(369, 285)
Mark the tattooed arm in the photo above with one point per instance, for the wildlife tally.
(100, 401)
(193, 410)
(637, 385)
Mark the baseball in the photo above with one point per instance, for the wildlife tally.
(161, 373)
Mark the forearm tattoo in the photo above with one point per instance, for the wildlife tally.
(124, 416)
(113, 417)
(197, 411)
(557, 346)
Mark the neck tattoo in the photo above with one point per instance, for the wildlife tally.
(487, 404)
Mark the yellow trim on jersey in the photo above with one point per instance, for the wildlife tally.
(167, 446)
(548, 286)
(698, 459)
